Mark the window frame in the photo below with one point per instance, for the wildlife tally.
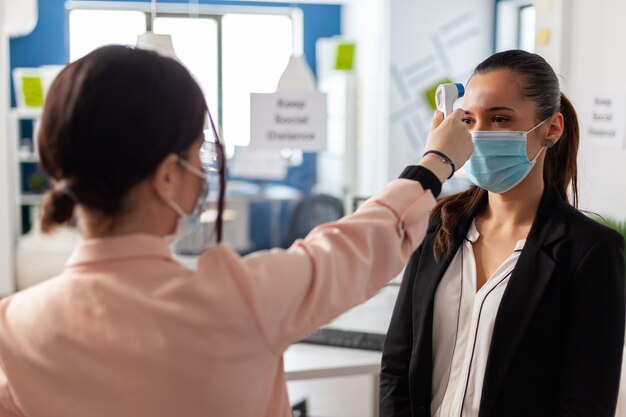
(520, 12)
(215, 12)
(508, 23)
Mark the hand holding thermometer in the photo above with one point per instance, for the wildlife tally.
(446, 95)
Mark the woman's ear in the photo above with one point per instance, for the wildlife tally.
(166, 179)
(555, 128)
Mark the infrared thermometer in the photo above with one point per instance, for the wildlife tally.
(446, 95)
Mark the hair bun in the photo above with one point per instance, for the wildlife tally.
(57, 208)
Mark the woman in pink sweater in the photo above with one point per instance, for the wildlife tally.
(127, 331)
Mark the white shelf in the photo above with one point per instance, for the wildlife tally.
(30, 199)
(28, 157)
(33, 113)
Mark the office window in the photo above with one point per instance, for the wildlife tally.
(230, 54)
(527, 16)
(256, 51)
(90, 29)
(515, 28)
(196, 45)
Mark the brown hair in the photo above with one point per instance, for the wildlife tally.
(109, 120)
(540, 84)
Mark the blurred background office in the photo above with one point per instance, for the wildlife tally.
(344, 90)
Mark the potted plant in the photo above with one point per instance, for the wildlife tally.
(37, 182)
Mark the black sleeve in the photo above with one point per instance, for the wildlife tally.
(425, 176)
(394, 381)
(594, 332)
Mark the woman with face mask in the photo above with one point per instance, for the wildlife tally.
(514, 304)
(127, 331)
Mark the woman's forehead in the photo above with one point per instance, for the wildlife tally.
(494, 89)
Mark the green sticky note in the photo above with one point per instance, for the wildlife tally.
(33, 91)
(345, 56)
(429, 94)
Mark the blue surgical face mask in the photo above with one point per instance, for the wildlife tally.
(500, 161)
(189, 223)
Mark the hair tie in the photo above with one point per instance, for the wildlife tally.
(62, 187)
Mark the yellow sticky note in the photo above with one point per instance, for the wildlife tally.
(33, 91)
(543, 36)
(345, 56)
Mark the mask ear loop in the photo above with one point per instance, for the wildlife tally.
(198, 173)
(538, 125)
(548, 145)
(538, 154)
(222, 179)
(176, 208)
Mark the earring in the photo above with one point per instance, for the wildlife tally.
(549, 143)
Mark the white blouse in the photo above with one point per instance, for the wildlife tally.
(462, 329)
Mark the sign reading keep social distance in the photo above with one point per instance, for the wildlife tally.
(602, 119)
(296, 120)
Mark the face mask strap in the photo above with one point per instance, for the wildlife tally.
(176, 208)
(538, 154)
(199, 173)
(538, 125)
(543, 147)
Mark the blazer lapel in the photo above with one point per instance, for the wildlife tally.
(528, 282)
(429, 274)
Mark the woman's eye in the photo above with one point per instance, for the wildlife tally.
(499, 119)
(467, 121)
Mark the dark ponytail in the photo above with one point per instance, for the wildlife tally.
(538, 83)
(109, 120)
(561, 168)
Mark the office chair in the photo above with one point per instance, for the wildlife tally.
(300, 409)
(357, 201)
(310, 212)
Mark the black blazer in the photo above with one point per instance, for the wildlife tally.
(558, 337)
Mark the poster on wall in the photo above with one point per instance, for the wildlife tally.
(602, 119)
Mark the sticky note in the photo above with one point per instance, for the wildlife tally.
(345, 56)
(429, 94)
(32, 88)
(543, 36)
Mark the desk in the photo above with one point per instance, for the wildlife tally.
(304, 361)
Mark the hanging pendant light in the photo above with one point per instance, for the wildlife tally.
(297, 76)
(161, 44)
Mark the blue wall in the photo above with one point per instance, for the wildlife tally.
(47, 45)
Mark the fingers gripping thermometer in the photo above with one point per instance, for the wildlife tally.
(446, 95)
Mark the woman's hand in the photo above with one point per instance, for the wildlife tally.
(451, 138)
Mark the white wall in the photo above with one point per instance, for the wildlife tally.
(405, 46)
(586, 50)
(429, 41)
(367, 22)
(17, 18)
(6, 199)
